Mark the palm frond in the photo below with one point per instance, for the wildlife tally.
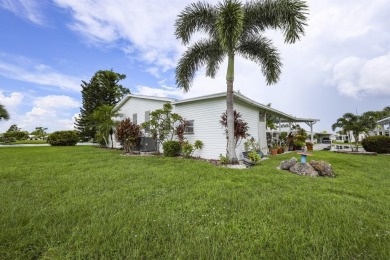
(288, 15)
(229, 23)
(260, 50)
(204, 52)
(195, 17)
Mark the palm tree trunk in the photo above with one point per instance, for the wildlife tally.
(111, 133)
(231, 151)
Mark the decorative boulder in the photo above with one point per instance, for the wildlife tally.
(287, 164)
(323, 168)
(304, 169)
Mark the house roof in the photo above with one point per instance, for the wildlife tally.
(128, 96)
(269, 110)
(283, 116)
(384, 121)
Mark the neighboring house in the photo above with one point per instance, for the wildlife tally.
(383, 129)
(324, 138)
(349, 137)
(385, 126)
(204, 114)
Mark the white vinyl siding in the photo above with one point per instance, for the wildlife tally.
(206, 115)
(138, 106)
(250, 114)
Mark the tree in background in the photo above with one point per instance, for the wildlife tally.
(102, 89)
(104, 122)
(353, 123)
(234, 29)
(3, 113)
(13, 128)
(15, 133)
(40, 132)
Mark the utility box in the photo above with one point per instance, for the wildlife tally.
(148, 144)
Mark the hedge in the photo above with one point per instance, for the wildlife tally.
(63, 138)
(378, 144)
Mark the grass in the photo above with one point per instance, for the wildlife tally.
(85, 202)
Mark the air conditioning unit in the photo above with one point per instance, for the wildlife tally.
(148, 144)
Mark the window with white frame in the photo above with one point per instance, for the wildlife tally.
(190, 127)
(135, 118)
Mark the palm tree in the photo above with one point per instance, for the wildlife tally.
(104, 122)
(353, 123)
(3, 113)
(235, 28)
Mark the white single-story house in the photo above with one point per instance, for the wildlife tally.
(204, 114)
(385, 126)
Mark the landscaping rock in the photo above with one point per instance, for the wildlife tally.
(323, 168)
(287, 164)
(304, 169)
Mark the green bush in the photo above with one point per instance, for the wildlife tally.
(346, 141)
(223, 159)
(63, 138)
(378, 144)
(187, 149)
(171, 148)
(254, 156)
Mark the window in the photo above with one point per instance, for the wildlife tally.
(135, 118)
(147, 119)
(190, 127)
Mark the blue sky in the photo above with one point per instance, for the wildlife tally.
(47, 47)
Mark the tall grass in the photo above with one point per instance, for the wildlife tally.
(85, 202)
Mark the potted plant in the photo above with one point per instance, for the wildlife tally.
(299, 144)
(274, 149)
(309, 146)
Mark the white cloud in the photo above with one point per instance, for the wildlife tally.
(142, 26)
(24, 8)
(53, 101)
(54, 112)
(357, 77)
(11, 101)
(163, 91)
(25, 70)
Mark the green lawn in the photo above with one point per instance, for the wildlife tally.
(86, 202)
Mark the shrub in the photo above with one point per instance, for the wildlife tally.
(188, 149)
(254, 156)
(171, 148)
(63, 138)
(241, 127)
(99, 139)
(378, 144)
(346, 141)
(223, 159)
(128, 135)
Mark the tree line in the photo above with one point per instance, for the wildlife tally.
(357, 124)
